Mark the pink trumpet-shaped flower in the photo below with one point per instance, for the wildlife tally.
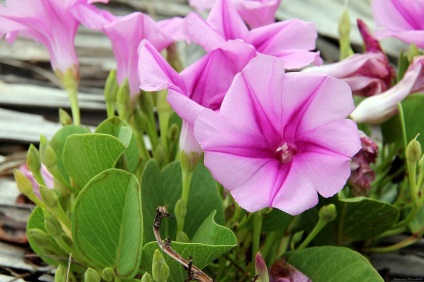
(402, 19)
(289, 40)
(255, 13)
(47, 177)
(367, 74)
(280, 138)
(201, 85)
(379, 108)
(125, 34)
(49, 22)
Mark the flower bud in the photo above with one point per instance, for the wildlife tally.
(60, 275)
(180, 211)
(160, 155)
(33, 160)
(40, 237)
(146, 278)
(91, 275)
(412, 52)
(23, 183)
(173, 132)
(297, 237)
(50, 158)
(64, 118)
(261, 269)
(146, 102)
(182, 237)
(108, 274)
(160, 270)
(413, 151)
(344, 33)
(52, 225)
(111, 87)
(49, 197)
(328, 213)
(123, 100)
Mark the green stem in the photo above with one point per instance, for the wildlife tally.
(412, 171)
(402, 244)
(73, 98)
(318, 227)
(186, 180)
(402, 123)
(257, 228)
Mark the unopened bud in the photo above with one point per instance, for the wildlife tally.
(146, 278)
(111, 87)
(40, 237)
(23, 183)
(123, 100)
(60, 275)
(108, 274)
(160, 155)
(344, 35)
(49, 197)
(180, 211)
(160, 270)
(344, 23)
(146, 102)
(412, 52)
(328, 213)
(173, 132)
(297, 237)
(52, 225)
(413, 151)
(91, 275)
(64, 118)
(33, 160)
(182, 237)
(261, 269)
(50, 158)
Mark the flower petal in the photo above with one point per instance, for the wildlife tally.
(289, 40)
(296, 193)
(257, 13)
(224, 19)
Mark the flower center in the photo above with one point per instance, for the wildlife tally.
(285, 152)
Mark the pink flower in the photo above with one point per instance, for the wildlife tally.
(281, 271)
(201, 85)
(125, 34)
(362, 174)
(288, 40)
(47, 177)
(403, 19)
(379, 108)
(255, 13)
(280, 138)
(49, 22)
(367, 74)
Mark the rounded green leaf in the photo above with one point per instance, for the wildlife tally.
(362, 218)
(120, 129)
(333, 264)
(107, 224)
(86, 155)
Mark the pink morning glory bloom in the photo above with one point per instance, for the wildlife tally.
(49, 22)
(402, 19)
(280, 138)
(125, 34)
(255, 13)
(47, 177)
(289, 40)
(367, 74)
(200, 85)
(379, 108)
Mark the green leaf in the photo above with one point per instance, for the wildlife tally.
(86, 155)
(163, 188)
(327, 264)
(58, 143)
(107, 224)
(418, 222)
(362, 218)
(209, 243)
(414, 121)
(276, 220)
(120, 129)
(36, 220)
